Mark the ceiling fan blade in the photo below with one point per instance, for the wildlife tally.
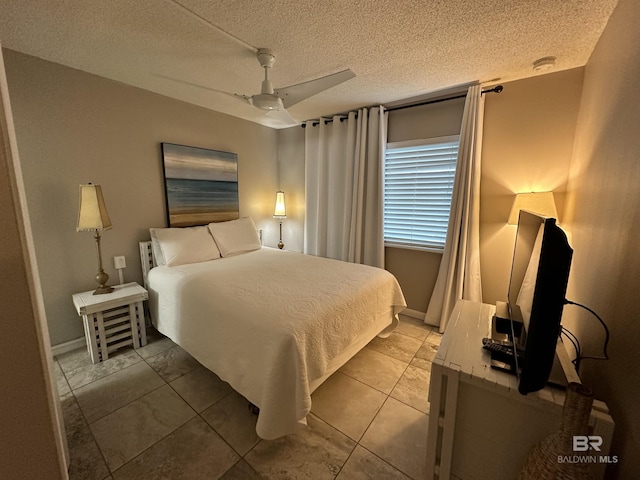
(296, 93)
(244, 98)
(281, 118)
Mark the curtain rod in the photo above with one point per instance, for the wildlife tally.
(496, 89)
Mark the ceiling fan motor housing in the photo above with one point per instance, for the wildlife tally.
(266, 57)
(267, 101)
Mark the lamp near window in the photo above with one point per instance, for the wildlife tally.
(280, 212)
(541, 203)
(92, 215)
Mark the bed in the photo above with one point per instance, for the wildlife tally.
(273, 324)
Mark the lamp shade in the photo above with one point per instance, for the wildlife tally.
(92, 212)
(280, 210)
(541, 203)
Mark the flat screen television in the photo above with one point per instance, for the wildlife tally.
(537, 287)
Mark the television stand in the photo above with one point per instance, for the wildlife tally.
(476, 410)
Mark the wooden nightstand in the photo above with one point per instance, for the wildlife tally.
(112, 320)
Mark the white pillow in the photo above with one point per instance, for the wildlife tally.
(155, 247)
(235, 236)
(186, 245)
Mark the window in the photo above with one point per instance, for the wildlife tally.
(418, 184)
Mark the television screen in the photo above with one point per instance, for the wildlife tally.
(537, 288)
(524, 268)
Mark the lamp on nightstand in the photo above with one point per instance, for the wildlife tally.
(280, 212)
(92, 215)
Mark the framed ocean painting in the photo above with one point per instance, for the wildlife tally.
(201, 186)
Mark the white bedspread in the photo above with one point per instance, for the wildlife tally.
(269, 322)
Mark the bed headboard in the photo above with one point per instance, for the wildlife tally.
(147, 260)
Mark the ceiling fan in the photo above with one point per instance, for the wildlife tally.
(273, 101)
(276, 101)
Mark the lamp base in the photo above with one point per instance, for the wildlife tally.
(103, 289)
(102, 278)
(280, 244)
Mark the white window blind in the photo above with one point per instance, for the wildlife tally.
(418, 184)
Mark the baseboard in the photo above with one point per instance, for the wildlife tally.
(416, 314)
(68, 346)
(413, 313)
(432, 324)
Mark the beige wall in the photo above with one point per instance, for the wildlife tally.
(603, 214)
(528, 138)
(426, 121)
(416, 272)
(291, 181)
(30, 442)
(73, 128)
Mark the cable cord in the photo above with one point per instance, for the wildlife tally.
(576, 345)
(568, 333)
(606, 331)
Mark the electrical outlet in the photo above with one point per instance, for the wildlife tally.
(120, 262)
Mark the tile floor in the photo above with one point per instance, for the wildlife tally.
(155, 413)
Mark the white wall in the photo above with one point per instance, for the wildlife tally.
(73, 128)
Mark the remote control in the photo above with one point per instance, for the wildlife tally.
(496, 346)
(499, 350)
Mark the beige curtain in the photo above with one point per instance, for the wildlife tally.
(459, 274)
(344, 187)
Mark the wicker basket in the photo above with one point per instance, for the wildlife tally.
(542, 462)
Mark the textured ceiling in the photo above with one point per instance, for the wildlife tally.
(397, 49)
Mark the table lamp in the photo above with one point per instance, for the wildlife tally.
(280, 213)
(92, 215)
(541, 203)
